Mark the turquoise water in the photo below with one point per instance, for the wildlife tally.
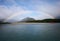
(30, 32)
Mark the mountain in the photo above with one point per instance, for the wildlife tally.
(2, 22)
(32, 20)
(27, 19)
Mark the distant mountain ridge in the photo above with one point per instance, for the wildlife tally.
(32, 20)
(27, 19)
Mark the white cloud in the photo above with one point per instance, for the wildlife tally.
(48, 9)
(9, 13)
(4, 11)
(14, 10)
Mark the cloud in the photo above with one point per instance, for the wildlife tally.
(14, 8)
(12, 11)
(4, 11)
(9, 13)
(48, 8)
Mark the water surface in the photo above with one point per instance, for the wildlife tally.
(30, 32)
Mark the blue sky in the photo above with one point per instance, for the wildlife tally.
(38, 9)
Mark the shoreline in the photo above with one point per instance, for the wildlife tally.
(31, 23)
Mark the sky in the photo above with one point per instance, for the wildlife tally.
(16, 10)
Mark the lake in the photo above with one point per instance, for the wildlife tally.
(30, 32)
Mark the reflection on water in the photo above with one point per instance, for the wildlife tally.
(30, 32)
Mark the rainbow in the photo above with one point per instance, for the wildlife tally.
(13, 15)
(47, 13)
